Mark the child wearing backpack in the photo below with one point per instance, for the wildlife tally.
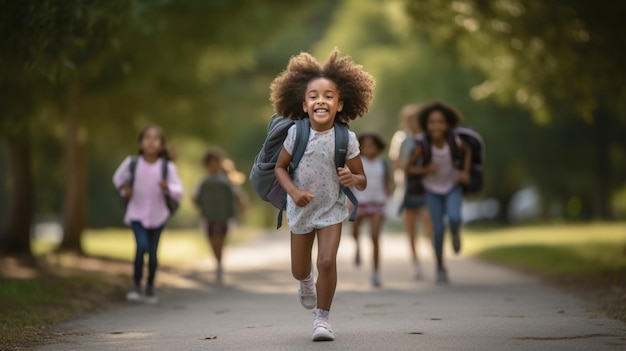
(441, 178)
(215, 197)
(147, 181)
(413, 206)
(337, 91)
(373, 199)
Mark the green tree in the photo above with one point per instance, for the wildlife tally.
(552, 58)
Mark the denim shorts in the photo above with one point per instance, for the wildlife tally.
(412, 203)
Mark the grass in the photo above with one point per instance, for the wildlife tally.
(588, 260)
(175, 246)
(60, 286)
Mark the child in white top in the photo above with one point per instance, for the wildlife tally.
(373, 199)
(441, 177)
(336, 92)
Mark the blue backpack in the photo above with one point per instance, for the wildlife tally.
(262, 176)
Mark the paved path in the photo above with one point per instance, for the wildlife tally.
(484, 308)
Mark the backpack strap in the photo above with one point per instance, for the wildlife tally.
(303, 129)
(454, 149)
(164, 169)
(422, 140)
(341, 150)
(132, 168)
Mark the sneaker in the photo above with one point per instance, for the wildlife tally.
(456, 242)
(357, 258)
(135, 294)
(417, 272)
(322, 330)
(307, 293)
(376, 280)
(150, 296)
(219, 275)
(442, 276)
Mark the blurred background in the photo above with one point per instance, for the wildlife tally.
(543, 82)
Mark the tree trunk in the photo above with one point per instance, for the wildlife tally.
(15, 240)
(74, 209)
(4, 187)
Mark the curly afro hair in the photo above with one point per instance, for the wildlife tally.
(452, 116)
(355, 86)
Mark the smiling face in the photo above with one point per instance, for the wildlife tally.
(321, 103)
(437, 125)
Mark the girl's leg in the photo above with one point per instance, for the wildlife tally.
(409, 223)
(217, 236)
(217, 245)
(424, 217)
(301, 246)
(141, 241)
(328, 243)
(436, 208)
(153, 243)
(356, 228)
(377, 224)
(453, 208)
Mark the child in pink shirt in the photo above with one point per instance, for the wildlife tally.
(147, 211)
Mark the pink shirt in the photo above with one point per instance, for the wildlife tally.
(147, 205)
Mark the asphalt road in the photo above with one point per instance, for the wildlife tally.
(485, 307)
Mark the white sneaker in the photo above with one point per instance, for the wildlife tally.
(151, 296)
(219, 275)
(307, 293)
(442, 276)
(417, 272)
(134, 295)
(322, 331)
(376, 280)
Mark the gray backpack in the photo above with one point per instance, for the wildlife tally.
(262, 175)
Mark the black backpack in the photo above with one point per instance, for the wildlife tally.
(262, 176)
(471, 138)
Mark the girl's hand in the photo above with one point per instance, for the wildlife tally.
(464, 178)
(301, 197)
(430, 168)
(127, 191)
(345, 177)
(164, 187)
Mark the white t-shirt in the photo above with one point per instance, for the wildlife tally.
(376, 190)
(317, 174)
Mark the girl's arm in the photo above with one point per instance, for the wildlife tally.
(389, 185)
(412, 167)
(121, 178)
(195, 198)
(353, 174)
(299, 196)
(173, 186)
